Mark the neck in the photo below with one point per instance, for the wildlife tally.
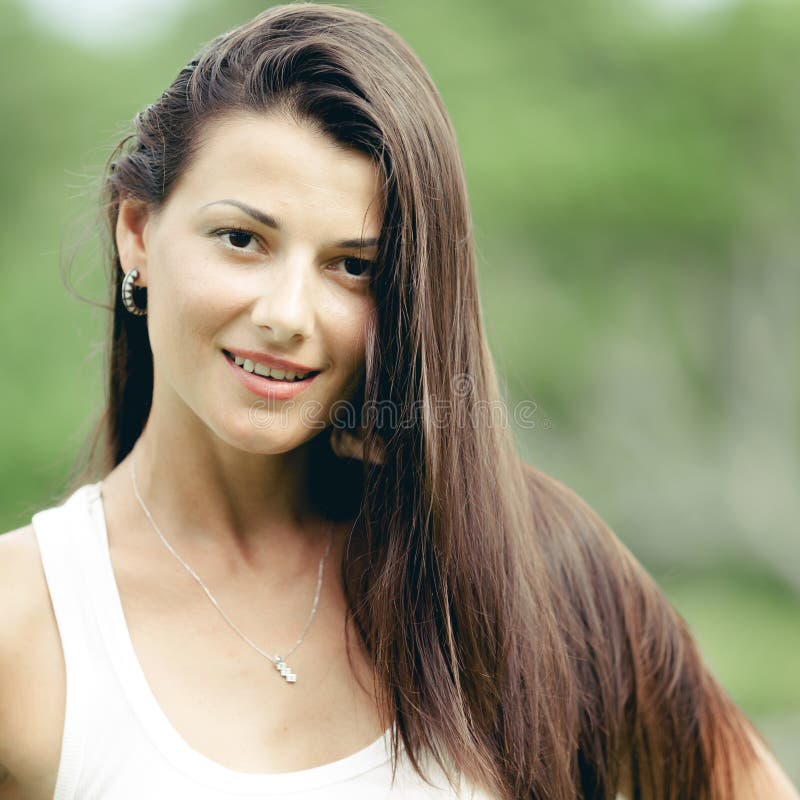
(242, 504)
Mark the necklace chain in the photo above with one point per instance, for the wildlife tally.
(279, 661)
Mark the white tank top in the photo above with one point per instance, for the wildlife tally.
(117, 743)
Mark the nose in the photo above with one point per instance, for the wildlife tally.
(285, 303)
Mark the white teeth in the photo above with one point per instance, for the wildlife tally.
(268, 372)
(260, 369)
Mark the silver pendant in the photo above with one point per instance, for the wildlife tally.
(285, 670)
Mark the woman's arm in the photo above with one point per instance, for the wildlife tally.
(655, 723)
(13, 642)
(31, 672)
(9, 789)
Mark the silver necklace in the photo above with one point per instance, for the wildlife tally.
(279, 661)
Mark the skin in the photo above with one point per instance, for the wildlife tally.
(226, 487)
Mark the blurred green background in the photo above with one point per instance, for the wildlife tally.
(633, 170)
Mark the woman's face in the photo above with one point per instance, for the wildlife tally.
(286, 285)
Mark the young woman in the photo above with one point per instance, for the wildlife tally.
(304, 561)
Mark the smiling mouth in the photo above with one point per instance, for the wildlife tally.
(307, 377)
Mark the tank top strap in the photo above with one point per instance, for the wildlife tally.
(61, 533)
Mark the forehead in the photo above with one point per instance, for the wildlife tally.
(284, 167)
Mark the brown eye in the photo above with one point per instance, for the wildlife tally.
(238, 238)
(356, 268)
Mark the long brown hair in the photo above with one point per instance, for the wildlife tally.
(515, 639)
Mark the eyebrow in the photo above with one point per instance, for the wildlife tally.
(270, 222)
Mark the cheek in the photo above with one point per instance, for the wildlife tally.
(194, 286)
(348, 333)
(186, 312)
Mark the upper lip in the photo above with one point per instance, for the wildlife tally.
(270, 361)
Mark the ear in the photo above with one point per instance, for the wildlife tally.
(131, 236)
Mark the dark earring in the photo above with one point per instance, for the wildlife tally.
(127, 293)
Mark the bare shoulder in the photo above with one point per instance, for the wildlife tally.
(32, 680)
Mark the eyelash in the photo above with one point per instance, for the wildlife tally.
(220, 233)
